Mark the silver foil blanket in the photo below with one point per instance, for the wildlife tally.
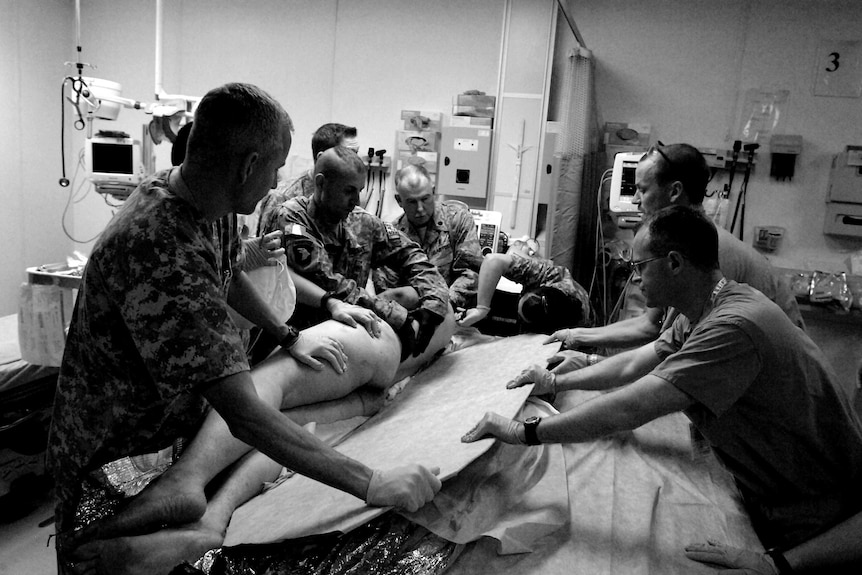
(388, 545)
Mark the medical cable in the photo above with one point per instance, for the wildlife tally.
(740, 202)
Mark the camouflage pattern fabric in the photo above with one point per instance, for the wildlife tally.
(451, 244)
(537, 272)
(303, 186)
(340, 259)
(149, 331)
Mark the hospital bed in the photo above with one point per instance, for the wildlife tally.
(26, 398)
(623, 504)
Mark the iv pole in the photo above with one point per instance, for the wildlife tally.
(519, 155)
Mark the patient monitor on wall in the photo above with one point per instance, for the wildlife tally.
(623, 189)
(113, 162)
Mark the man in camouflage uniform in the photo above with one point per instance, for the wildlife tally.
(325, 137)
(151, 346)
(335, 244)
(550, 298)
(444, 230)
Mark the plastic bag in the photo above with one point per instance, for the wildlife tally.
(44, 313)
(275, 286)
(830, 288)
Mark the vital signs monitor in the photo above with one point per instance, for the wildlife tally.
(623, 189)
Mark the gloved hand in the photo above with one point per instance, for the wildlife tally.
(735, 561)
(495, 425)
(545, 381)
(408, 487)
(568, 360)
(428, 322)
(570, 338)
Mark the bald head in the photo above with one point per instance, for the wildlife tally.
(339, 176)
(339, 161)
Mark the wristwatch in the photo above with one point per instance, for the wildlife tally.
(531, 424)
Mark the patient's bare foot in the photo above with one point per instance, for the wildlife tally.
(164, 503)
(151, 554)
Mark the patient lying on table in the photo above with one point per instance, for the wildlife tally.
(186, 511)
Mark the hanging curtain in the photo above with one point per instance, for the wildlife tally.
(580, 169)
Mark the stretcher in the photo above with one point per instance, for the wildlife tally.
(623, 504)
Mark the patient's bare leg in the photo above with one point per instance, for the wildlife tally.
(161, 551)
(177, 496)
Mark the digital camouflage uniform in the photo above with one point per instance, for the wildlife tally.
(303, 186)
(536, 272)
(340, 260)
(451, 244)
(149, 331)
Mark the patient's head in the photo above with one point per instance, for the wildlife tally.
(547, 309)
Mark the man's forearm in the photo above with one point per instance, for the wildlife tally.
(611, 372)
(628, 332)
(837, 546)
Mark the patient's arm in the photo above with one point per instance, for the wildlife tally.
(494, 266)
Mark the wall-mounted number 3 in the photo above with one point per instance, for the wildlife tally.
(833, 62)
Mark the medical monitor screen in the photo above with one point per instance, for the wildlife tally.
(627, 183)
(623, 188)
(113, 161)
(113, 158)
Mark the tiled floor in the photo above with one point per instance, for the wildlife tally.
(24, 547)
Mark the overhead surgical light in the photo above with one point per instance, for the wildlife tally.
(97, 98)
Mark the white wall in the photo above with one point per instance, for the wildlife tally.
(35, 39)
(359, 62)
(683, 66)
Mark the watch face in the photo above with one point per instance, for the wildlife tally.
(532, 419)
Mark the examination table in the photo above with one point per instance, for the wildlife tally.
(626, 504)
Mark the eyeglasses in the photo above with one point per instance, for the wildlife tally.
(658, 149)
(637, 265)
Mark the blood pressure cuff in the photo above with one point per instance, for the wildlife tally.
(304, 253)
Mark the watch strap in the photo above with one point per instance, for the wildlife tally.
(530, 427)
(780, 561)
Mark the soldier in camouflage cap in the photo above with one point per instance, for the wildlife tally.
(151, 347)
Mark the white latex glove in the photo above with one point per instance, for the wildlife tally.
(570, 338)
(735, 561)
(545, 381)
(570, 360)
(408, 487)
(495, 425)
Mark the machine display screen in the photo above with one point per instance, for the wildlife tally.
(112, 158)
